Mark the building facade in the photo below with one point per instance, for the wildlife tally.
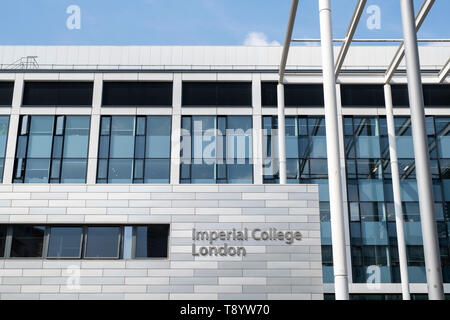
(118, 163)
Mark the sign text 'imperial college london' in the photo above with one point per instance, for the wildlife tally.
(211, 236)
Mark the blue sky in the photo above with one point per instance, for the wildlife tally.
(193, 22)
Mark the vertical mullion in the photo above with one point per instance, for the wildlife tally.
(55, 117)
(109, 147)
(192, 147)
(225, 156)
(8, 241)
(63, 146)
(46, 242)
(144, 165)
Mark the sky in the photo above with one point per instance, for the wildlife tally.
(196, 22)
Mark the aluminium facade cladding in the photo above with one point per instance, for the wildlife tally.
(98, 137)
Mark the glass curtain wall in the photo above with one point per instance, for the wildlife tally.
(52, 149)
(306, 162)
(216, 149)
(134, 149)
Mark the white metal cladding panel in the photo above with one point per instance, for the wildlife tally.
(269, 270)
(358, 56)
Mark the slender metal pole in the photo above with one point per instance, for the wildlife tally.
(287, 40)
(280, 93)
(425, 190)
(334, 167)
(401, 243)
(281, 134)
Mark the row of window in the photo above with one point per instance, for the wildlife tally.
(142, 93)
(84, 241)
(218, 149)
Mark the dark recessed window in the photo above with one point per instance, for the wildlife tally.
(58, 94)
(436, 95)
(151, 241)
(137, 93)
(400, 96)
(361, 95)
(217, 94)
(65, 242)
(102, 242)
(433, 95)
(295, 95)
(303, 95)
(269, 94)
(2, 240)
(6, 93)
(27, 241)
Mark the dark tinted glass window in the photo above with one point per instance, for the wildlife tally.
(65, 242)
(217, 94)
(400, 96)
(303, 95)
(433, 95)
(362, 95)
(102, 242)
(269, 94)
(58, 93)
(137, 94)
(75, 93)
(6, 93)
(151, 241)
(27, 241)
(295, 95)
(2, 240)
(436, 95)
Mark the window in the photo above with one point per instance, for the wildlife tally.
(295, 95)
(217, 94)
(134, 149)
(2, 240)
(433, 95)
(52, 149)
(151, 241)
(6, 93)
(362, 95)
(84, 241)
(58, 94)
(216, 149)
(102, 242)
(4, 127)
(27, 241)
(137, 94)
(65, 242)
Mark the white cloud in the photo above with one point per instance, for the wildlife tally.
(259, 39)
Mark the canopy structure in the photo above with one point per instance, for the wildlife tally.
(331, 71)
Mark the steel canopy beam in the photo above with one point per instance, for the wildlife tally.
(374, 40)
(444, 72)
(287, 40)
(420, 18)
(359, 9)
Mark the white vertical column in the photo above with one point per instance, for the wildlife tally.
(424, 183)
(257, 130)
(281, 134)
(334, 170)
(344, 181)
(401, 243)
(94, 134)
(8, 171)
(176, 129)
